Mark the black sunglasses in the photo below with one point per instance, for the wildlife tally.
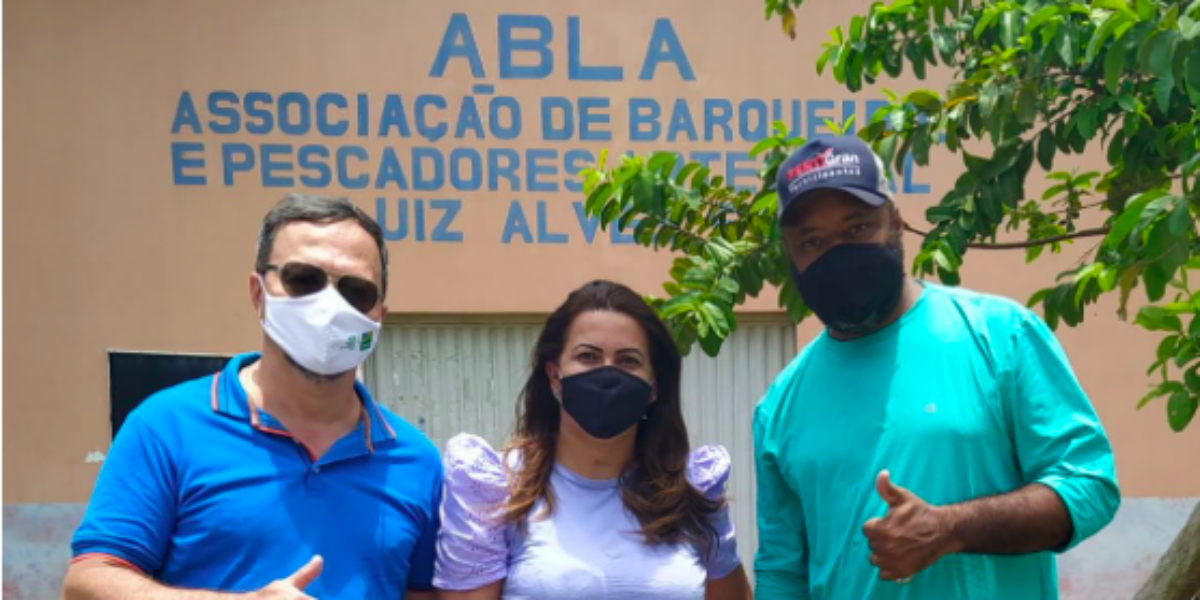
(302, 279)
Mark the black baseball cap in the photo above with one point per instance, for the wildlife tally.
(843, 163)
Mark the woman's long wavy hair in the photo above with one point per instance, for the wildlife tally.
(654, 486)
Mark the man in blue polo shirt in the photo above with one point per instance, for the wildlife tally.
(278, 477)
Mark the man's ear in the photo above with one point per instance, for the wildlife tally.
(257, 291)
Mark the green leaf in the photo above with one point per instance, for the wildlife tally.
(887, 148)
(662, 163)
(989, 17)
(597, 198)
(1108, 279)
(913, 51)
(1066, 42)
(1129, 217)
(1180, 220)
(1010, 28)
(1192, 378)
(1167, 387)
(765, 144)
(1193, 70)
(1027, 104)
(1117, 5)
(1114, 66)
(856, 28)
(1180, 410)
(1163, 88)
(1129, 104)
(1053, 191)
(1116, 147)
(1162, 52)
(1156, 282)
(920, 146)
(926, 100)
(1154, 318)
(1041, 16)
(766, 204)
(1189, 28)
(1045, 149)
(823, 60)
(945, 42)
(1102, 34)
(685, 172)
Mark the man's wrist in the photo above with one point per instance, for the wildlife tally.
(952, 518)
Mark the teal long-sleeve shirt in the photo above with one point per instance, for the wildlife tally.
(965, 396)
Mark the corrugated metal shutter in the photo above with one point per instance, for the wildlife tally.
(449, 375)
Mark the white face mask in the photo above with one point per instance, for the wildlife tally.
(322, 332)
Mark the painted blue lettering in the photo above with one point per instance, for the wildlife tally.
(717, 113)
(576, 70)
(221, 104)
(474, 180)
(236, 158)
(185, 115)
(458, 42)
(323, 176)
(344, 154)
(538, 46)
(545, 236)
(587, 119)
(303, 121)
(556, 109)
(390, 171)
(644, 112)
(516, 224)
(270, 165)
(664, 46)
(181, 160)
(450, 210)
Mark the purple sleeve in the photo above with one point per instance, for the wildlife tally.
(472, 549)
(708, 470)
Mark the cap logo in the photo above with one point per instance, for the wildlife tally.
(812, 169)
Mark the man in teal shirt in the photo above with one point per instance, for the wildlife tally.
(931, 443)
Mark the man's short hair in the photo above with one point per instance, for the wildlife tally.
(316, 209)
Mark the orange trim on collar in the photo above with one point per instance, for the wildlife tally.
(366, 419)
(386, 425)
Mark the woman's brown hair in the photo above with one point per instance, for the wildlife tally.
(654, 486)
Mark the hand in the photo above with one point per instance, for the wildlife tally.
(292, 586)
(911, 536)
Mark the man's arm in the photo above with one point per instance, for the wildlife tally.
(1031, 519)
(94, 579)
(1056, 433)
(781, 564)
(915, 534)
(97, 579)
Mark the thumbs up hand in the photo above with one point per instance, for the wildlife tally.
(911, 536)
(292, 586)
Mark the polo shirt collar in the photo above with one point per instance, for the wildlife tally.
(229, 399)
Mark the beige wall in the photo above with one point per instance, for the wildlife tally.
(105, 251)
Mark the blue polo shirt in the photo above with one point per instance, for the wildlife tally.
(203, 490)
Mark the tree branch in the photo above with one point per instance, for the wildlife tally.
(1097, 231)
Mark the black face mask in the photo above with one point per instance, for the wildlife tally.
(853, 287)
(606, 401)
